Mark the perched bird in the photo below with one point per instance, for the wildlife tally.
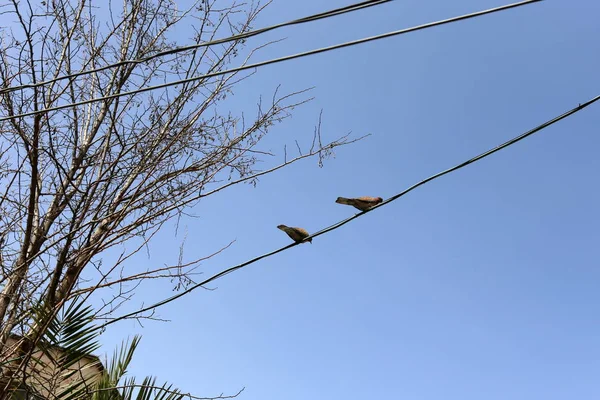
(362, 203)
(297, 234)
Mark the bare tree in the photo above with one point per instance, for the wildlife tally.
(80, 180)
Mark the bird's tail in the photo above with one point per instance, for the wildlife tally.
(343, 200)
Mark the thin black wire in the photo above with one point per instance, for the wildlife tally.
(310, 18)
(277, 60)
(345, 221)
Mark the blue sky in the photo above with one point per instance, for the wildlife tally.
(482, 284)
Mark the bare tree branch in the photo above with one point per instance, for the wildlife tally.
(78, 182)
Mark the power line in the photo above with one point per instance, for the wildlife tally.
(345, 221)
(310, 18)
(277, 60)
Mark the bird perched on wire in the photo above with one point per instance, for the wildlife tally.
(362, 203)
(297, 234)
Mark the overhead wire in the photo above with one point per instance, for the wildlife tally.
(277, 60)
(347, 220)
(311, 18)
(299, 55)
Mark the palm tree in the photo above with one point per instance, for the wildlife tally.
(61, 365)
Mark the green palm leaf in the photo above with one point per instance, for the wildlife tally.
(62, 366)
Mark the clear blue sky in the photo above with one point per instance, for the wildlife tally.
(483, 284)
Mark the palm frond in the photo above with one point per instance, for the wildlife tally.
(63, 367)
